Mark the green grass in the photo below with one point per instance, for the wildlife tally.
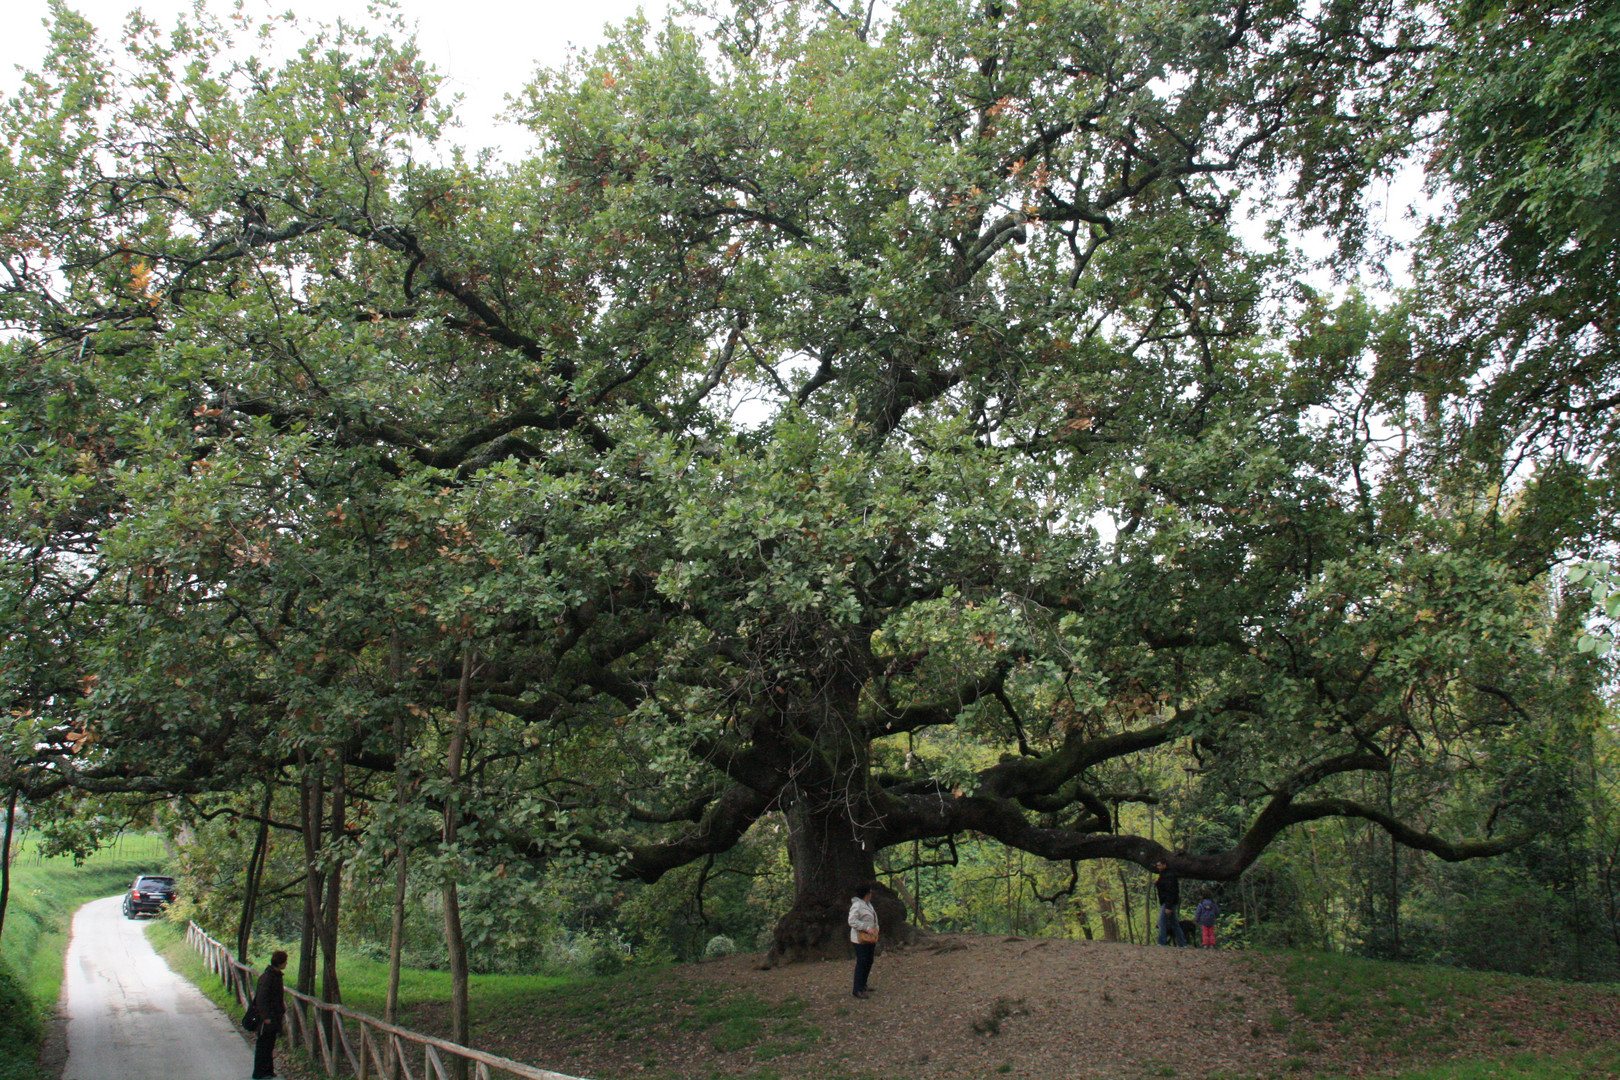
(644, 1006)
(1398, 1020)
(365, 985)
(364, 982)
(44, 895)
(640, 1008)
(1411, 1016)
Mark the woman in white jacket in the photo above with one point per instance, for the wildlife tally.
(863, 932)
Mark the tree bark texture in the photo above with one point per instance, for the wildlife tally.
(460, 1022)
(5, 855)
(330, 990)
(255, 872)
(1105, 910)
(311, 812)
(829, 864)
(396, 928)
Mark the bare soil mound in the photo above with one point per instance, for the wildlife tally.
(967, 1007)
(955, 1006)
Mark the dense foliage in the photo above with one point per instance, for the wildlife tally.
(858, 436)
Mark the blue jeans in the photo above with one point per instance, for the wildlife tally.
(863, 963)
(1167, 923)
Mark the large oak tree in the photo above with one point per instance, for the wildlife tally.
(818, 394)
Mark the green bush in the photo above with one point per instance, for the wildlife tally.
(21, 1028)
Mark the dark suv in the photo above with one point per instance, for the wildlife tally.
(148, 895)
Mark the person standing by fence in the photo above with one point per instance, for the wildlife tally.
(270, 1001)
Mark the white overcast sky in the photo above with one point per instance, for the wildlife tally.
(487, 48)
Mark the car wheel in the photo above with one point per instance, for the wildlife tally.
(129, 912)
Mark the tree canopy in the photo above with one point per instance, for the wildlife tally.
(895, 427)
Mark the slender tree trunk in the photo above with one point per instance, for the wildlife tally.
(461, 1030)
(460, 1013)
(330, 990)
(1076, 910)
(1011, 903)
(1125, 891)
(916, 881)
(1611, 892)
(1105, 909)
(5, 855)
(311, 815)
(1320, 901)
(255, 873)
(911, 899)
(1394, 868)
(396, 929)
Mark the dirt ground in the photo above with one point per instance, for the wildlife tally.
(969, 1007)
(963, 1006)
(966, 1005)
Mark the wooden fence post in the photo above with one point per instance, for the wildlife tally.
(330, 1044)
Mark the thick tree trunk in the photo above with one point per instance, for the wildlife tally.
(830, 834)
(829, 864)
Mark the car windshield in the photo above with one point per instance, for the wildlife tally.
(150, 882)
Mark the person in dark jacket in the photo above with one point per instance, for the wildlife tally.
(270, 1002)
(1169, 886)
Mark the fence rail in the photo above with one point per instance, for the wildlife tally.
(375, 1049)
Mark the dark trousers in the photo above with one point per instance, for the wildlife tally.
(1168, 924)
(264, 1046)
(863, 963)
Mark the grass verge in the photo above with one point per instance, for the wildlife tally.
(643, 1021)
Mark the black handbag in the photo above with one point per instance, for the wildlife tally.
(250, 1019)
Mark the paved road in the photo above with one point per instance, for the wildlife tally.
(131, 1018)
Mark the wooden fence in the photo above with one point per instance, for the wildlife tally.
(374, 1048)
